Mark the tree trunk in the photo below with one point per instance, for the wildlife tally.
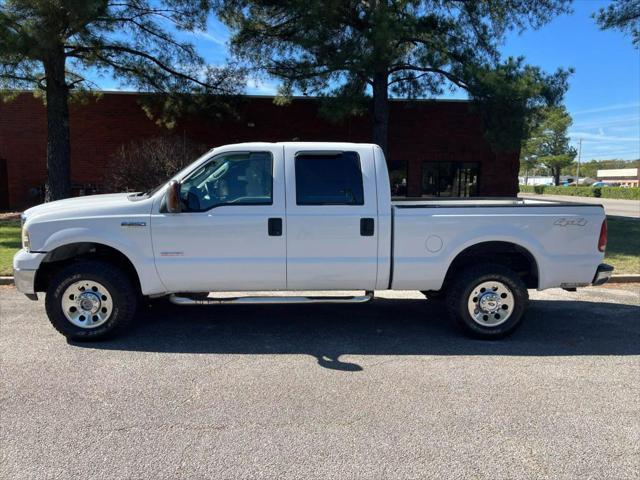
(58, 141)
(381, 110)
(556, 175)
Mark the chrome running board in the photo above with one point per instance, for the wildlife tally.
(178, 300)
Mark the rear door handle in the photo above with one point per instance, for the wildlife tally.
(367, 227)
(275, 227)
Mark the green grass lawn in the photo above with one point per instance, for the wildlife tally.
(623, 250)
(623, 246)
(9, 244)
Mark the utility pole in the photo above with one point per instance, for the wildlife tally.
(578, 169)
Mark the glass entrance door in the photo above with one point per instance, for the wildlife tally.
(450, 179)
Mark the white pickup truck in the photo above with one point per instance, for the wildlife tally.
(299, 217)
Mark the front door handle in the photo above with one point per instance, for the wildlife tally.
(367, 227)
(274, 226)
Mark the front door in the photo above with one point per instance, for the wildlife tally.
(230, 234)
(332, 231)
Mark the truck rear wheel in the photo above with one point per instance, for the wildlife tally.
(90, 300)
(487, 301)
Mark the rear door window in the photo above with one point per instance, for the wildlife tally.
(329, 179)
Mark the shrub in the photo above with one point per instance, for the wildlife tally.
(573, 191)
(532, 189)
(143, 165)
(598, 192)
(631, 193)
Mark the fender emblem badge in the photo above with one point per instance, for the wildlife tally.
(171, 254)
(133, 224)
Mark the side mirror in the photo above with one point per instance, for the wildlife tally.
(173, 197)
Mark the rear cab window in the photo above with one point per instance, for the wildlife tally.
(328, 179)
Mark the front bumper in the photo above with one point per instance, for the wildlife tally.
(603, 274)
(25, 266)
(25, 280)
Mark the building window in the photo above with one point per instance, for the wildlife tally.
(329, 179)
(450, 179)
(398, 177)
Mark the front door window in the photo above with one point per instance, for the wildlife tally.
(232, 179)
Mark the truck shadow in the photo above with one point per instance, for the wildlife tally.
(382, 327)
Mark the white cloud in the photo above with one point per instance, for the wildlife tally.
(210, 36)
(608, 135)
(607, 108)
(599, 147)
(632, 120)
(586, 136)
(256, 86)
(626, 129)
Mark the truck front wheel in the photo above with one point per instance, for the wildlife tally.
(487, 301)
(90, 300)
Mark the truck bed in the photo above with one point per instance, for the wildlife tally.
(428, 234)
(404, 202)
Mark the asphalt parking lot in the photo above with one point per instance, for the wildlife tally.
(382, 390)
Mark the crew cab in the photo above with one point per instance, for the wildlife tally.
(300, 216)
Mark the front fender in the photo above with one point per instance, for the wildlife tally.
(133, 243)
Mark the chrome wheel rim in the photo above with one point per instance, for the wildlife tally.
(491, 303)
(87, 304)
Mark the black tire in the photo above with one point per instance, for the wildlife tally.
(119, 285)
(434, 294)
(459, 296)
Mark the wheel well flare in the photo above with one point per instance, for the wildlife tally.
(511, 255)
(73, 252)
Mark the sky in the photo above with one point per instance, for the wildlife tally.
(604, 92)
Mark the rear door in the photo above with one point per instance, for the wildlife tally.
(332, 231)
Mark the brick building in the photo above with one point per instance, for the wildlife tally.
(436, 148)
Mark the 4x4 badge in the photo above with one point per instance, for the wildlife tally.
(565, 222)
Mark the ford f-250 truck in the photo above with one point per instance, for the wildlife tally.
(299, 217)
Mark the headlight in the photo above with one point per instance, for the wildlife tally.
(26, 244)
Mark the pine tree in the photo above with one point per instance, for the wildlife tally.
(50, 46)
(351, 50)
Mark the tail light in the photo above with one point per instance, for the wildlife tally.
(602, 241)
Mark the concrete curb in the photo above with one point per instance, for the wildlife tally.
(632, 278)
(635, 278)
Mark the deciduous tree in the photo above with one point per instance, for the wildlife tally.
(144, 164)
